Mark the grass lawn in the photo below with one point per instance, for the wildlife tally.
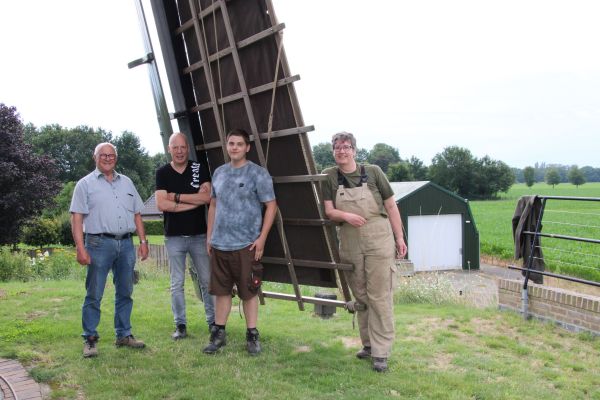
(581, 219)
(450, 351)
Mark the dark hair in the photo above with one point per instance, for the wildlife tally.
(239, 132)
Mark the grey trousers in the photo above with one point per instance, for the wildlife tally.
(177, 249)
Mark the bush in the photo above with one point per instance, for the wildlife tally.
(40, 232)
(155, 227)
(14, 266)
(428, 288)
(62, 264)
(65, 237)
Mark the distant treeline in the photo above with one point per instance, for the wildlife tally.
(590, 174)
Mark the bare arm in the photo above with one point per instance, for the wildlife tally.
(342, 216)
(209, 223)
(394, 215)
(139, 227)
(166, 202)
(259, 243)
(202, 196)
(83, 257)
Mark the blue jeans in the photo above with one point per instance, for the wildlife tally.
(107, 255)
(177, 249)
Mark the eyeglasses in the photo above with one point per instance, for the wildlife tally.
(345, 147)
(107, 156)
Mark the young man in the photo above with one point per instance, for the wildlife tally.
(237, 233)
(106, 206)
(182, 190)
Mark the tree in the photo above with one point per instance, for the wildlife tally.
(454, 169)
(552, 177)
(72, 149)
(418, 170)
(399, 172)
(158, 160)
(529, 176)
(362, 156)
(134, 161)
(323, 155)
(591, 174)
(383, 155)
(30, 179)
(62, 201)
(576, 176)
(492, 177)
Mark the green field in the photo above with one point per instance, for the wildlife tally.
(572, 218)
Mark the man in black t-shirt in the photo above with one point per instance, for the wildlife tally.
(182, 191)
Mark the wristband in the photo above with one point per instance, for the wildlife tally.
(143, 242)
(177, 198)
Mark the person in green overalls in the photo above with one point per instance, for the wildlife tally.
(370, 234)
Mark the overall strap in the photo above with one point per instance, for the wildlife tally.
(363, 175)
(343, 181)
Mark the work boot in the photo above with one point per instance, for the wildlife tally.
(89, 347)
(252, 342)
(180, 332)
(380, 364)
(130, 341)
(364, 353)
(217, 340)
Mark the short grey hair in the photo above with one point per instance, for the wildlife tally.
(343, 137)
(101, 145)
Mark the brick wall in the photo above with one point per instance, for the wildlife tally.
(574, 311)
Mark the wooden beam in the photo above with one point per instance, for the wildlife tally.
(263, 136)
(240, 95)
(308, 222)
(306, 299)
(241, 44)
(211, 90)
(309, 263)
(299, 178)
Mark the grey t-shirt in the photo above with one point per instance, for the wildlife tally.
(107, 207)
(240, 193)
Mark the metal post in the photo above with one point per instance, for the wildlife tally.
(162, 113)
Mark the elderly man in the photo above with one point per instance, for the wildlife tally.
(105, 211)
(182, 190)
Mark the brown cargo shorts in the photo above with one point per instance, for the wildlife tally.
(235, 267)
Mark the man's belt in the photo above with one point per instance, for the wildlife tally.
(111, 236)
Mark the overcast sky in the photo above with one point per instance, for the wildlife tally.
(516, 80)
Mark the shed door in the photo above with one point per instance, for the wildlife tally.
(435, 242)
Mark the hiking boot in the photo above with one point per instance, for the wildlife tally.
(252, 342)
(89, 347)
(380, 364)
(217, 340)
(180, 332)
(364, 353)
(130, 341)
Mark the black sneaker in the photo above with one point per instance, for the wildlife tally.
(364, 353)
(380, 364)
(252, 342)
(180, 332)
(89, 347)
(217, 340)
